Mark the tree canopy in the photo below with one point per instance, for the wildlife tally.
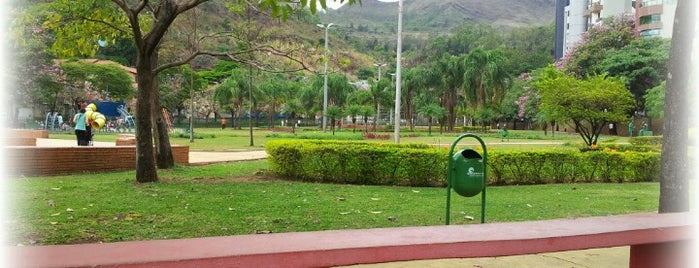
(589, 103)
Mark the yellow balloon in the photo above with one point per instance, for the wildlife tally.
(93, 115)
(92, 106)
(97, 123)
(88, 114)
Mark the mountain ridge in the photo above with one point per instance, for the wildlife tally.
(442, 15)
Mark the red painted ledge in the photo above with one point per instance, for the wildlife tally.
(346, 247)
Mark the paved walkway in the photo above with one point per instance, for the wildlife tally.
(599, 258)
(195, 158)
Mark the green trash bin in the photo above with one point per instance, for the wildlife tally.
(467, 176)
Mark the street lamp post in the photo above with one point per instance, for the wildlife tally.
(396, 126)
(325, 79)
(379, 65)
(378, 106)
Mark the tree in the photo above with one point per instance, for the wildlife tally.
(590, 104)
(642, 63)
(352, 111)
(104, 79)
(451, 70)
(292, 108)
(586, 57)
(365, 112)
(334, 112)
(416, 81)
(655, 100)
(674, 175)
(486, 77)
(275, 91)
(147, 23)
(431, 111)
(232, 93)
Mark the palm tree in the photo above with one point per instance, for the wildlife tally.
(311, 100)
(292, 108)
(379, 96)
(365, 112)
(431, 111)
(485, 77)
(233, 92)
(333, 113)
(451, 70)
(352, 111)
(415, 81)
(275, 90)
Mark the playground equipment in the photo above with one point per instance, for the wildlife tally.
(466, 173)
(125, 117)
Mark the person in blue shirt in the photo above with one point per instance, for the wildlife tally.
(80, 121)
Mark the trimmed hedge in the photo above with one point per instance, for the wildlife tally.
(357, 162)
(352, 162)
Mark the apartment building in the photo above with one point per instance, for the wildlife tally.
(654, 18)
(574, 17)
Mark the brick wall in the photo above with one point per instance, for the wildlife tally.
(24, 137)
(40, 161)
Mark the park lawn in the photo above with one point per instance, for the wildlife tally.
(216, 139)
(238, 198)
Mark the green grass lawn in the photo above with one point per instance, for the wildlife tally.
(216, 139)
(234, 198)
(239, 198)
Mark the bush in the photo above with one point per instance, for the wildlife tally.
(357, 162)
(354, 162)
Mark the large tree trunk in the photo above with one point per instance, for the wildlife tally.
(164, 157)
(674, 175)
(145, 159)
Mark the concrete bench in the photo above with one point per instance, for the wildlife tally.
(656, 240)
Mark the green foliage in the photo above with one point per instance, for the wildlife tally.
(586, 58)
(356, 162)
(590, 104)
(486, 77)
(222, 70)
(642, 64)
(103, 78)
(420, 165)
(655, 100)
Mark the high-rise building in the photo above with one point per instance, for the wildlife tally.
(575, 17)
(654, 18)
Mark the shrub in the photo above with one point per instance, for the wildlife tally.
(355, 162)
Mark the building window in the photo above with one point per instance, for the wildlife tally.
(650, 33)
(645, 3)
(650, 19)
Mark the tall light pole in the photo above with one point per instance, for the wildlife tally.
(379, 65)
(325, 80)
(378, 106)
(396, 126)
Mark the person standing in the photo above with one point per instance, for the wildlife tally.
(631, 129)
(80, 122)
(223, 123)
